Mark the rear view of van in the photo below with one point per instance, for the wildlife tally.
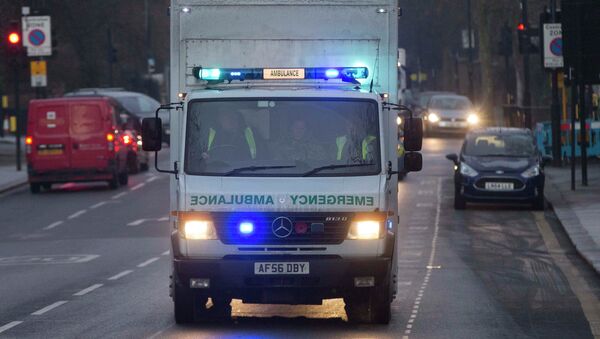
(75, 139)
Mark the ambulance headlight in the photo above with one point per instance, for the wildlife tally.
(199, 230)
(364, 230)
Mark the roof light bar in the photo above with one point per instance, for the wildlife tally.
(346, 74)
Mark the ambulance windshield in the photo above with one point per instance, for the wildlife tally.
(282, 137)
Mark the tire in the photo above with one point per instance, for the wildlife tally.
(374, 307)
(144, 167)
(459, 200)
(47, 186)
(113, 183)
(538, 202)
(183, 305)
(133, 165)
(124, 178)
(34, 188)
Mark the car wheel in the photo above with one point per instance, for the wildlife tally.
(133, 163)
(144, 167)
(123, 178)
(34, 188)
(47, 186)
(113, 183)
(370, 308)
(538, 202)
(459, 200)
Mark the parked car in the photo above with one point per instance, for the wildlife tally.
(450, 113)
(75, 139)
(498, 164)
(136, 103)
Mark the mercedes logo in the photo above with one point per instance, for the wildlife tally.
(282, 227)
(499, 172)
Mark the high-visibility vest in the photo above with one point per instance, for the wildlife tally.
(248, 134)
(341, 143)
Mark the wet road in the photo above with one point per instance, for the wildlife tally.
(84, 261)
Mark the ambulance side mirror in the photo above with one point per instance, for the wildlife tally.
(413, 134)
(151, 134)
(413, 162)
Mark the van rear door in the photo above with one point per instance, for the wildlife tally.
(49, 128)
(90, 122)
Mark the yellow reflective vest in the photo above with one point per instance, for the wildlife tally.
(248, 134)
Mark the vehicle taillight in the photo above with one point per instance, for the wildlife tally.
(126, 139)
(28, 143)
(111, 141)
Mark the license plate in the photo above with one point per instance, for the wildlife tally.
(451, 124)
(50, 151)
(281, 268)
(499, 186)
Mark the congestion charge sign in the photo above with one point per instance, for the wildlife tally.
(553, 52)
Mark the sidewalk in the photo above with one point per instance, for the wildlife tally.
(10, 178)
(579, 210)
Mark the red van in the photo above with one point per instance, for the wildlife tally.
(75, 139)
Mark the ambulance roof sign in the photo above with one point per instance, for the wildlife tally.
(36, 35)
(553, 51)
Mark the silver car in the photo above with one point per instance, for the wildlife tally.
(450, 113)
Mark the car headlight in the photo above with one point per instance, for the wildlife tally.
(531, 172)
(433, 117)
(398, 121)
(473, 119)
(199, 230)
(467, 170)
(364, 230)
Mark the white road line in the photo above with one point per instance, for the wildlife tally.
(52, 225)
(148, 262)
(88, 289)
(9, 326)
(120, 275)
(117, 196)
(136, 222)
(167, 252)
(424, 204)
(76, 214)
(138, 186)
(163, 219)
(98, 204)
(49, 307)
(151, 179)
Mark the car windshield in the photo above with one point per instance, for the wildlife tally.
(511, 145)
(282, 137)
(139, 105)
(454, 103)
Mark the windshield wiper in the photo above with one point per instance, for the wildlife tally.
(319, 169)
(503, 155)
(254, 168)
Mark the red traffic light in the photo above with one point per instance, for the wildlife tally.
(14, 38)
(521, 27)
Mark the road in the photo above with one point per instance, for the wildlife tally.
(85, 261)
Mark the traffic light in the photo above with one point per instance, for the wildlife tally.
(525, 36)
(14, 41)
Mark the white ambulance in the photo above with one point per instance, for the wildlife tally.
(284, 154)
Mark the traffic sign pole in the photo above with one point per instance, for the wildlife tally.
(554, 108)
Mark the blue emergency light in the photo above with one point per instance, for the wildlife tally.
(246, 228)
(346, 74)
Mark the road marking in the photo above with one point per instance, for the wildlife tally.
(425, 192)
(117, 196)
(590, 304)
(76, 214)
(167, 252)
(49, 307)
(88, 289)
(430, 266)
(424, 204)
(163, 219)
(148, 262)
(137, 187)
(136, 222)
(52, 225)
(120, 275)
(9, 326)
(151, 179)
(48, 259)
(98, 204)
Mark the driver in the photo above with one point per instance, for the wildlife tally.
(299, 145)
(231, 137)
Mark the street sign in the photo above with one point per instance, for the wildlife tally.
(39, 76)
(553, 46)
(36, 35)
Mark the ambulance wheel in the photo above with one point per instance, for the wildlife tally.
(114, 182)
(34, 188)
(123, 178)
(374, 307)
(183, 305)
